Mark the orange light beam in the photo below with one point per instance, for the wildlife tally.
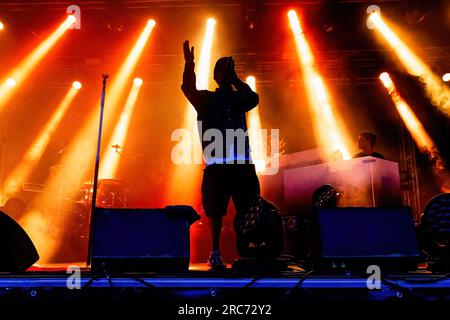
(110, 159)
(437, 91)
(422, 139)
(77, 160)
(23, 70)
(409, 118)
(330, 135)
(204, 66)
(19, 175)
(202, 82)
(256, 139)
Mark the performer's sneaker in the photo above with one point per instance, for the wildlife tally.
(215, 262)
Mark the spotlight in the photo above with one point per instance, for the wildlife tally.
(11, 82)
(151, 23)
(325, 196)
(371, 10)
(386, 79)
(76, 85)
(137, 82)
(210, 23)
(71, 18)
(446, 77)
(2, 26)
(251, 81)
(74, 13)
(435, 227)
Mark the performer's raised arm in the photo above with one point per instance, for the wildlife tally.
(189, 87)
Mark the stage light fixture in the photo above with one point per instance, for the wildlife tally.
(446, 77)
(10, 82)
(251, 81)
(326, 196)
(435, 227)
(330, 134)
(74, 11)
(77, 85)
(2, 26)
(370, 10)
(386, 80)
(435, 89)
(137, 81)
(71, 19)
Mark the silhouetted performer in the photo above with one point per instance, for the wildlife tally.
(230, 174)
(366, 143)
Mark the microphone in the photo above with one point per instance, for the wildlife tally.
(116, 146)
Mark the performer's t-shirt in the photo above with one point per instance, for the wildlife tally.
(223, 111)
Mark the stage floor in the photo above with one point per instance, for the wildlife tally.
(198, 284)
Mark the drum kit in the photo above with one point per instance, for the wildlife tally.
(111, 193)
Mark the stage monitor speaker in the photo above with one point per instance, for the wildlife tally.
(142, 240)
(17, 251)
(355, 238)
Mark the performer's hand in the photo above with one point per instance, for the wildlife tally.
(232, 71)
(188, 53)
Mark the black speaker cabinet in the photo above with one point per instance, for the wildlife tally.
(354, 238)
(141, 240)
(17, 251)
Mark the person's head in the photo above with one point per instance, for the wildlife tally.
(367, 141)
(222, 73)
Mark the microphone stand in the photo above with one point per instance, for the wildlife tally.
(97, 164)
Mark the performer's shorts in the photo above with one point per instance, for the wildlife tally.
(222, 181)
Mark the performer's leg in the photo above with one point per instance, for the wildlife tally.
(215, 225)
(215, 257)
(246, 186)
(215, 198)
